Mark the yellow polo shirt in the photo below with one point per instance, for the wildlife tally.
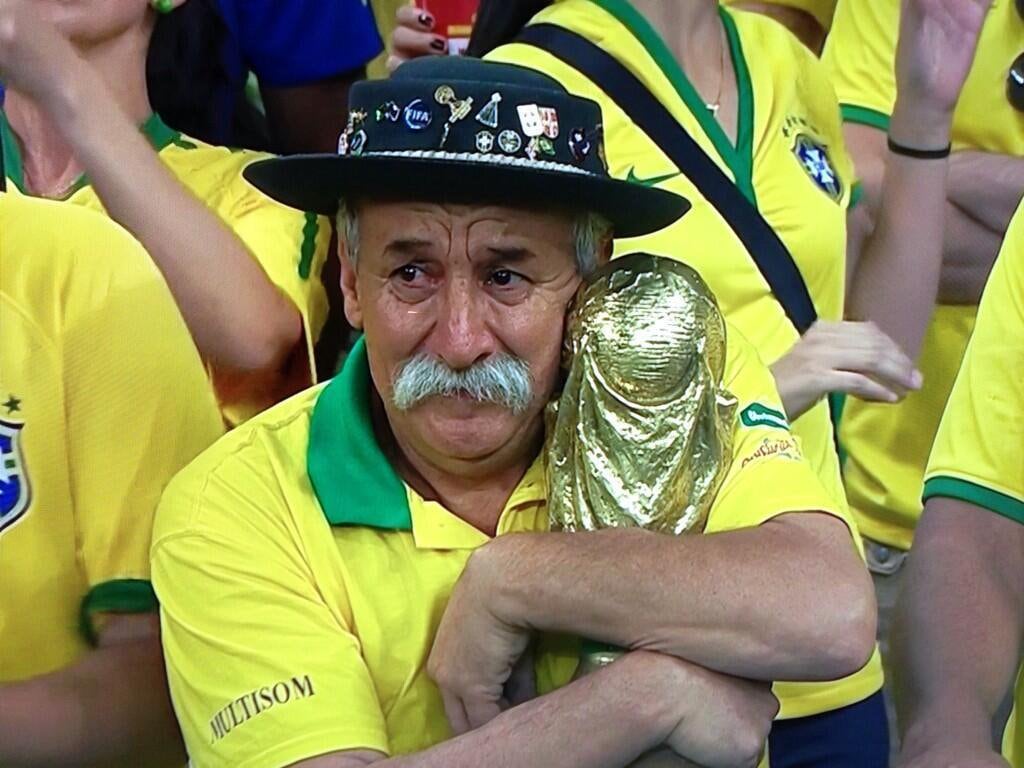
(887, 445)
(102, 399)
(289, 245)
(323, 576)
(978, 455)
(786, 107)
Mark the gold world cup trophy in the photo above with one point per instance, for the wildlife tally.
(641, 434)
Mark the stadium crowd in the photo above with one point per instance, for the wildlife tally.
(642, 386)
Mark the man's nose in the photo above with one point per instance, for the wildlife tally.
(462, 336)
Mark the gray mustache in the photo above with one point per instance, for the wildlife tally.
(502, 379)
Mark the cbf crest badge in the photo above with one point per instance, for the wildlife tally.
(15, 493)
(815, 161)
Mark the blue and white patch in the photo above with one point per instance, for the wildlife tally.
(815, 161)
(15, 492)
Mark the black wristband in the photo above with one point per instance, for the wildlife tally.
(918, 154)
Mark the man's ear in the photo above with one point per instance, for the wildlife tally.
(353, 310)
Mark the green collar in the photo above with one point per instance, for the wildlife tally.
(154, 129)
(353, 480)
(740, 158)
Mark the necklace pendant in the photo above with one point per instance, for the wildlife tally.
(713, 108)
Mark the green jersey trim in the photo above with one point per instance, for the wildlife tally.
(864, 116)
(351, 477)
(116, 596)
(156, 131)
(972, 493)
(739, 159)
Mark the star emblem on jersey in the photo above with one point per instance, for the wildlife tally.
(15, 492)
(13, 405)
(814, 159)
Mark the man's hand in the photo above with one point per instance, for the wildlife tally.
(34, 57)
(940, 756)
(727, 721)
(474, 651)
(851, 357)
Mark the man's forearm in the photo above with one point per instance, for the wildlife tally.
(957, 632)
(788, 600)
(556, 729)
(969, 252)
(987, 186)
(109, 709)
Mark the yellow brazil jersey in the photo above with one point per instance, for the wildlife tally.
(324, 576)
(978, 455)
(887, 446)
(789, 159)
(290, 246)
(102, 399)
(821, 10)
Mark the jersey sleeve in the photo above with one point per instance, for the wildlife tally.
(139, 407)
(292, 247)
(263, 672)
(978, 454)
(860, 55)
(288, 44)
(769, 475)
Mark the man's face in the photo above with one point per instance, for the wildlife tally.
(461, 290)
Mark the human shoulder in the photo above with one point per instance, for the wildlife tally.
(57, 256)
(250, 474)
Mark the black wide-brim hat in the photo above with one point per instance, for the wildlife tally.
(458, 129)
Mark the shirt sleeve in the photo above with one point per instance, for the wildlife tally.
(769, 475)
(262, 671)
(978, 454)
(139, 408)
(296, 42)
(860, 55)
(292, 247)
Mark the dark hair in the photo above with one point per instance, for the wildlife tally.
(189, 84)
(499, 21)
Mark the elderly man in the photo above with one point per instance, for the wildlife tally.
(337, 581)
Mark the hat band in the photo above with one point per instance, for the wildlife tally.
(474, 157)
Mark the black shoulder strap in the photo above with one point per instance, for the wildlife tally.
(767, 250)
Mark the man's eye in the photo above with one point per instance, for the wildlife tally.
(503, 277)
(408, 273)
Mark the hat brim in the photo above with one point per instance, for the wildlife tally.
(317, 182)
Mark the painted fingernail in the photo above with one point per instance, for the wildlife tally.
(438, 44)
(427, 20)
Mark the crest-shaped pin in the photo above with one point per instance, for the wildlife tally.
(549, 122)
(529, 119)
(15, 491)
(488, 114)
(815, 161)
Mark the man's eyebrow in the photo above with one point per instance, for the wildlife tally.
(510, 253)
(407, 245)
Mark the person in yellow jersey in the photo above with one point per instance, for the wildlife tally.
(809, 20)
(886, 448)
(758, 107)
(362, 601)
(102, 399)
(244, 270)
(957, 635)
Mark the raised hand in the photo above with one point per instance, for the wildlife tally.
(413, 37)
(936, 48)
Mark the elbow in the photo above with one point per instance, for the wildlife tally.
(268, 346)
(846, 631)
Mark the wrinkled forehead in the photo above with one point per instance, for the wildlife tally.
(381, 221)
